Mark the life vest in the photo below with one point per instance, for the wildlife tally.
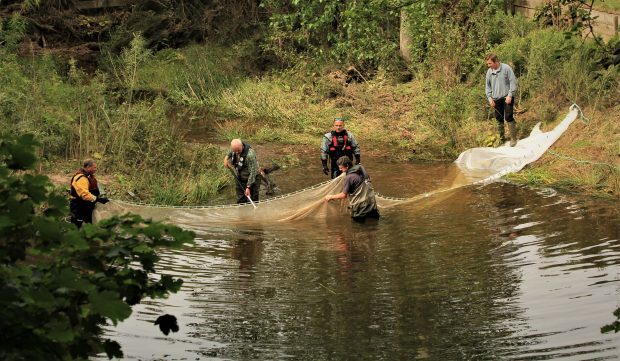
(93, 188)
(340, 145)
(239, 163)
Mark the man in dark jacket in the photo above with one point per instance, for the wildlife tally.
(242, 161)
(358, 189)
(337, 143)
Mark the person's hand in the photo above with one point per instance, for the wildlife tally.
(327, 198)
(492, 103)
(102, 200)
(247, 192)
(325, 171)
(508, 100)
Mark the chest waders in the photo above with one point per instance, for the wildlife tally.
(81, 210)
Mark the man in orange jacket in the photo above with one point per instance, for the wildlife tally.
(84, 194)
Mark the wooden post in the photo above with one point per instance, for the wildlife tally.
(616, 24)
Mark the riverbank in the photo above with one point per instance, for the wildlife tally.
(158, 121)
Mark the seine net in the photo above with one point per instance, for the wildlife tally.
(474, 166)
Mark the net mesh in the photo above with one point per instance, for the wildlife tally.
(474, 166)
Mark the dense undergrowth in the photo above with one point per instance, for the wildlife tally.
(135, 112)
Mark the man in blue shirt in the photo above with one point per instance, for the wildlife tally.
(501, 86)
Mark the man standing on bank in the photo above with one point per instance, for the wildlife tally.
(338, 143)
(84, 194)
(242, 161)
(358, 189)
(501, 86)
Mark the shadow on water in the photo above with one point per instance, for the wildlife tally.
(482, 273)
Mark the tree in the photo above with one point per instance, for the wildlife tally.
(60, 285)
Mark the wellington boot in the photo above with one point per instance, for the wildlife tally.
(500, 130)
(512, 126)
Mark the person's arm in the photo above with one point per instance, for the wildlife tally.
(512, 82)
(252, 167)
(226, 161)
(324, 155)
(488, 88)
(80, 184)
(341, 195)
(325, 147)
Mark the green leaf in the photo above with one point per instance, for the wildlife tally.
(153, 230)
(181, 236)
(112, 349)
(20, 211)
(142, 248)
(5, 222)
(59, 330)
(109, 304)
(116, 252)
(74, 240)
(22, 153)
(36, 187)
(41, 298)
(48, 229)
(89, 230)
(171, 284)
(69, 279)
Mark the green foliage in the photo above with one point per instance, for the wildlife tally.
(12, 31)
(60, 285)
(174, 24)
(614, 326)
(203, 177)
(195, 76)
(547, 62)
(453, 34)
(107, 116)
(361, 33)
(534, 176)
(571, 16)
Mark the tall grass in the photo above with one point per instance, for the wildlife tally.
(195, 76)
(75, 117)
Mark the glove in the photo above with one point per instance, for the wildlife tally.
(325, 170)
(102, 200)
(357, 158)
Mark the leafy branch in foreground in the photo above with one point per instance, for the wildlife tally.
(614, 326)
(60, 285)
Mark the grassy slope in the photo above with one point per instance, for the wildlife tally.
(612, 6)
(422, 119)
(428, 118)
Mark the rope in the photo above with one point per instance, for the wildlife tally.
(582, 117)
(143, 204)
(578, 160)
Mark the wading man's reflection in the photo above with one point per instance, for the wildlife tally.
(353, 245)
(248, 250)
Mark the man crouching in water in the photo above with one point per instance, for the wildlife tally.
(357, 187)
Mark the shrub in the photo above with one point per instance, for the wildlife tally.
(61, 285)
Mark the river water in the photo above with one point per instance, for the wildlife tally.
(500, 272)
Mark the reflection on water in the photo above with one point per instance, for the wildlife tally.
(497, 272)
